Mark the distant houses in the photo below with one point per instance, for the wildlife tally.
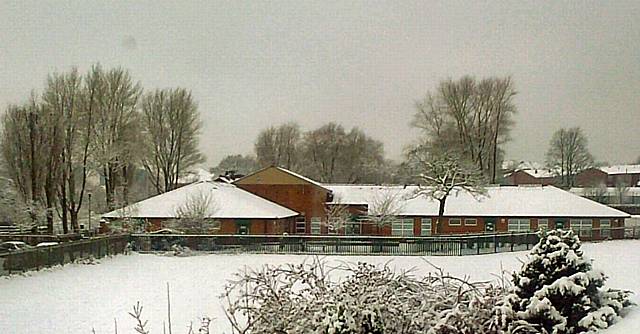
(610, 176)
(276, 201)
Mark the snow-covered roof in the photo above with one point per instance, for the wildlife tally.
(540, 173)
(226, 201)
(302, 177)
(609, 191)
(621, 169)
(510, 201)
(196, 175)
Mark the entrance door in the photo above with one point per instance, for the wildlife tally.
(242, 226)
(560, 224)
(490, 225)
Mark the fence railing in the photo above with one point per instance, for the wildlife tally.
(347, 245)
(40, 257)
(470, 244)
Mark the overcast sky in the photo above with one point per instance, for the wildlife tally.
(364, 64)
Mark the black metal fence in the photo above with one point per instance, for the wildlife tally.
(470, 244)
(347, 245)
(40, 257)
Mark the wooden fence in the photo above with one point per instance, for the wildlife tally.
(40, 257)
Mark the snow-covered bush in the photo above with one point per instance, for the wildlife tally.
(361, 298)
(558, 291)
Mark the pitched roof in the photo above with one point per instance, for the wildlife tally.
(226, 200)
(531, 201)
(621, 169)
(286, 171)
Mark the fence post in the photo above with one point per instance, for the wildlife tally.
(495, 243)
(511, 240)
(477, 242)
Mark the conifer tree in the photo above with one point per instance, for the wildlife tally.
(558, 291)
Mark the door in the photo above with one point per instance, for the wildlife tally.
(490, 225)
(242, 226)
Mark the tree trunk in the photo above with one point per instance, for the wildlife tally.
(440, 215)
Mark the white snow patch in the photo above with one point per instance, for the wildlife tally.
(76, 298)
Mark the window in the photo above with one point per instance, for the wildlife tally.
(455, 222)
(353, 228)
(543, 224)
(519, 225)
(300, 225)
(426, 227)
(582, 227)
(315, 225)
(470, 222)
(402, 227)
(605, 228)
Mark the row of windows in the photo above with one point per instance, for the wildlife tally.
(404, 227)
(467, 222)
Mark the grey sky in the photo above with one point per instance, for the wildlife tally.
(364, 64)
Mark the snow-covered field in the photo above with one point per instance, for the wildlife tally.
(77, 298)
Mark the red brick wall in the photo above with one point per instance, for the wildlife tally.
(592, 177)
(521, 177)
(303, 198)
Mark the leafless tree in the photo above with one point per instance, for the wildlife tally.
(568, 154)
(196, 215)
(32, 145)
(279, 146)
(385, 206)
(337, 215)
(238, 163)
(441, 174)
(472, 118)
(73, 102)
(597, 193)
(115, 126)
(172, 124)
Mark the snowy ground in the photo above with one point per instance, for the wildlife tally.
(77, 298)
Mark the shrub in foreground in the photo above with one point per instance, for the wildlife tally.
(558, 291)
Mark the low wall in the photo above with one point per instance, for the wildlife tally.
(41, 257)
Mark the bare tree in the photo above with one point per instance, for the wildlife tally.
(385, 206)
(66, 97)
(115, 125)
(23, 149)
(172, 124)
(444, 174)
(469, 117)
(237, 163)
(568, 154)
(196, 215)
(337, 216)
(279, 146)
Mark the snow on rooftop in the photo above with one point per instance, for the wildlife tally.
(227, 201)
(196, 175)
(608, 191)
(621, 169)
(301, 177)
(534, 201)
(540, 173)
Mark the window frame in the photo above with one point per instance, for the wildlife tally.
(475, 222)
(520, 223)
(316, 225)
(546, 224)
(456, 219)
(425, 222)
(404, 224)
(605, 232)
(582, 231)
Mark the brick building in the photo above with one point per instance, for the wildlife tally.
(291, 190)
(275, 201)
(237, 211)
